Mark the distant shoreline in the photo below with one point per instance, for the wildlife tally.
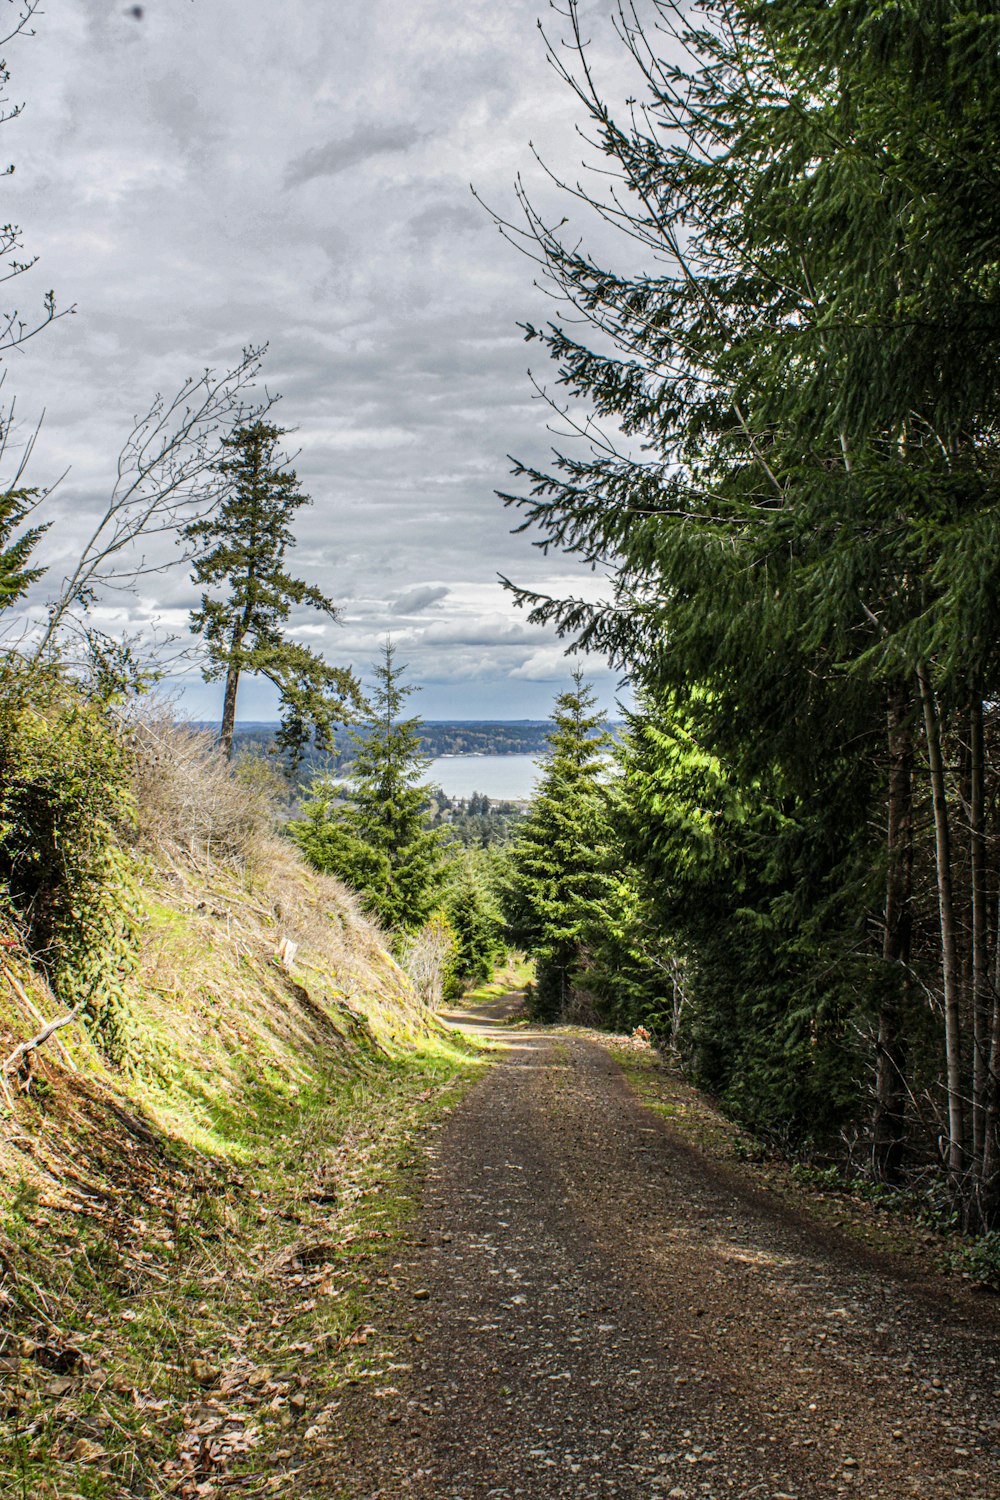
(274, 724)
(451, 742)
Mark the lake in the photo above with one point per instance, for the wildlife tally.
(503, 778)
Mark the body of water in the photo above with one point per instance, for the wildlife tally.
(503, 778)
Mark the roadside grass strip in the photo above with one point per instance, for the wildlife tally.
(900, 1225)
(190, 1336)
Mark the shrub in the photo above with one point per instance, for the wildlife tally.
(428, 958)
(980, 1260)
(192, 803)
(66, 805)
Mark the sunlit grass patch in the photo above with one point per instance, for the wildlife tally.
(202, 1329)
(515, 974)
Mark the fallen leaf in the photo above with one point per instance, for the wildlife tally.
(205, 1373)
(85, 1452)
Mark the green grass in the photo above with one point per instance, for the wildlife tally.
(520, 971)
(174, 1297)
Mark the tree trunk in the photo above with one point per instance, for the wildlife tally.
(889, 1122)
(949, 943)
(989, 1175)
(229, 708)
(233, 681)
(981, 996)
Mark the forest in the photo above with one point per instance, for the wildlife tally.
(790, 374)
(437, 737)
(772, 364)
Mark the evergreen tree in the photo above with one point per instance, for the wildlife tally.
(804, 519)
(17, 545)
(472, 907)
(558, 862)
(747, 900)
(246, 538)
(377, 838)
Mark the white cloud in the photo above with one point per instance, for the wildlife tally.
(229, 172)
(547, 664)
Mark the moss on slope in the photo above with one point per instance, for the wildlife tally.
(185, 1235)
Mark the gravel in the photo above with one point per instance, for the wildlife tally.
(592, 1308)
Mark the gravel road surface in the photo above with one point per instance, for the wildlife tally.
(592, 1308)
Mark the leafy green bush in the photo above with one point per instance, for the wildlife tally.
(981, 1259)
(66, 802)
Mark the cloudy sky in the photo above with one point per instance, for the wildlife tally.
(197, 175)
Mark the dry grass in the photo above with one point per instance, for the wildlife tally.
(251, 959)
(195, 805)
(209, 832)
(251, 966)
(254, 971)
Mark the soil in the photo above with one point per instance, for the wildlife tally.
(592, 1307)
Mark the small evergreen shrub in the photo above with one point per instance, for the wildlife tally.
(478, 928)
(980, 1260)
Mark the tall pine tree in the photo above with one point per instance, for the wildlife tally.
(558, 864)
(244, 624)
(377, 838)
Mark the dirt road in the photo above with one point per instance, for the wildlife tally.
(593, 1309)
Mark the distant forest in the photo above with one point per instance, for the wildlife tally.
(438, 737)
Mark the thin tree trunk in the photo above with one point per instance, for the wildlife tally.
(981, 997)
(229, 707)
(233, 680)
(889, 1122)
(989, 1176)
(949, 944)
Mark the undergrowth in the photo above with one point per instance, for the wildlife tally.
(67, 806)
(187, 1232)
(194, 1332)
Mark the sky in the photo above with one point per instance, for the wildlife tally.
(198, 175)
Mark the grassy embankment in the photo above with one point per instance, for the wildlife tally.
(185, 1244)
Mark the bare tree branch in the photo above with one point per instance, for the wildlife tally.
(165, 478)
